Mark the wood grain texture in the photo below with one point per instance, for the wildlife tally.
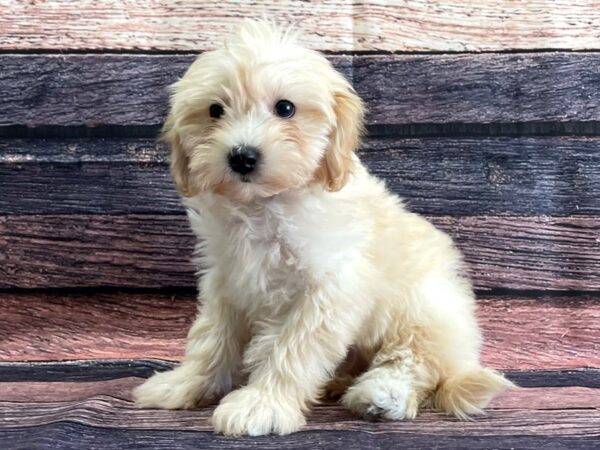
(337, 25)
(543, 398)
(117, 413)
(74, 436)
(80, 251)
(95, 90)
(64, 251)
(520, 334)
(95, 370)
(454, 176)
(86, 370)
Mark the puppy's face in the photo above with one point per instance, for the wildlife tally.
(261, 116)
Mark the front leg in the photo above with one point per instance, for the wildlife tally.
(212, 362)
(290, 359)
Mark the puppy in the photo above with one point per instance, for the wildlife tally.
(304, 255)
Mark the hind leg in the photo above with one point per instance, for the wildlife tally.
(393, 387)
(433, 356)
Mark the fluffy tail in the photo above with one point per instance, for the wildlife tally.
(469, 392)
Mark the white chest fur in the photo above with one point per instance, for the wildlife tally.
(269, 251)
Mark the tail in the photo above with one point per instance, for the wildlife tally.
(469, 392)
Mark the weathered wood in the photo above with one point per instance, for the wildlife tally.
(97, 90)
(556, 378)
(543, 253)
(79, 251)
(338, 25)
(541, 333)
(121, 388)
(464, 176)
(95, 370)
(121, 414)
(74, 436)
(60, 251)
(89, 370)
(94, 325)
(520, 334)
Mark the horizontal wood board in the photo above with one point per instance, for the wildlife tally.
(74, 436)
(518, 418)
(520, 333)
(116, 413)
(539, 398)
(96, 370)
(63, 251)
(100, 89)
(336, 25)
(454, 176)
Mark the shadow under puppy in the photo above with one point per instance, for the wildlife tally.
(305, 255)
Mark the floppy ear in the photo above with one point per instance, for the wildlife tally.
(338, 160)
(179, 160)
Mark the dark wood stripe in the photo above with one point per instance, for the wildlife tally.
(60, 251)
(470, 176)
(406, 130)
(556, 378)
(100, 89)
(95, 370)
(81, 370)
(74, 436)
(336, 25)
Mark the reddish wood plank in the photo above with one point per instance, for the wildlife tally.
(520, 334)
(93, 90)
(116, 413)
(100, 325)
(547, 333)
(518, 399)
(545, 253)
(339, 25)
(57, 391)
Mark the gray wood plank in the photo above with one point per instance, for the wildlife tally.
(75, 436)
(98, 89)
(61, 251)
(456, 176)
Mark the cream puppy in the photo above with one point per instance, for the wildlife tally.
(304, 255)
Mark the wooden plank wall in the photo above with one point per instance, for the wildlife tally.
(484, 116)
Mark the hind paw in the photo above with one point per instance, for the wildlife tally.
(377, 395)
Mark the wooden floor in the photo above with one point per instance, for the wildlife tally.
(70, 361)
(81, 403)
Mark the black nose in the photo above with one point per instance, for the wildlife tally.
(243, 158)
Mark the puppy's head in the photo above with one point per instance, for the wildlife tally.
(260, 116)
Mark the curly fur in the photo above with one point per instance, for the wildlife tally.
(307, 257)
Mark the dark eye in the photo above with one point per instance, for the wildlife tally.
(216, 111)
(285, 109)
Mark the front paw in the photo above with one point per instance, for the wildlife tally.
(179, 388)
(248, 411)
